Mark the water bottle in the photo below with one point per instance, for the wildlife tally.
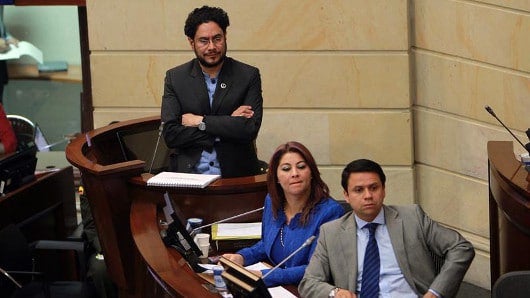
(220, 284)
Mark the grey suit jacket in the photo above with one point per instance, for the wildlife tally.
(185, 92)
(413, 236)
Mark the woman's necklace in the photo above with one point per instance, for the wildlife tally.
(281, 236)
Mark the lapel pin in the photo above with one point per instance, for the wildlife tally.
(223, 85)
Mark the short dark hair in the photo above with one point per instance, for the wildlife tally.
(361, 166)
(319, 188)
(203, 15)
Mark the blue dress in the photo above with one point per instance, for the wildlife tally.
(279, 240)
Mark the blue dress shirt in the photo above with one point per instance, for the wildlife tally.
(270, 249)
(208, 163)
(392, 282)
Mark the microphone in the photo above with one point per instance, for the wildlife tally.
(52, 144)
(306, 243)
(227, 219)
(160, 128)
(10, 278)
(527, 146)
(88, 140)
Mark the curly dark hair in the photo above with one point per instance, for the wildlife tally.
(319, 188)
(203, 15)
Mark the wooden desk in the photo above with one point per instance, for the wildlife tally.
(112, 185)
(170, 271)
(31, 72)
(509, 201)
(44, 208)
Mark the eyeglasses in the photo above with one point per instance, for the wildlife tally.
(216, 40)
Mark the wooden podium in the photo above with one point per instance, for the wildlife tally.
(509, 201)
(125, 212)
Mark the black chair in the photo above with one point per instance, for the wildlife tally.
(24, 130)
(515, 284)
(19, 264)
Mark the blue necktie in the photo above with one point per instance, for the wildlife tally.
(371, 267)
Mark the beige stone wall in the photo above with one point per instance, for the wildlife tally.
(466, 54)
(335, 75)
(400, 82)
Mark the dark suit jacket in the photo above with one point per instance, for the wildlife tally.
(185, 92)
(413, 236)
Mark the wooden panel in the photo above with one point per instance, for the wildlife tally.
(31, 72)
(44, 208)
(51, 2)
(509, 211)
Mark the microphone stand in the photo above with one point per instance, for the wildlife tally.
(227, 219)
(306, 243)
(160, 128)
(490, 110)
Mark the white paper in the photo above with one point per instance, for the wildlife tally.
(239, 229)
(182, 180)
(279, 292)
(23, 48)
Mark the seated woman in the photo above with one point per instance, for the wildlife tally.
(297, 204)
(8, 139)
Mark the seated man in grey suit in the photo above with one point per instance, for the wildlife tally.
(212, 105)
(396, 240)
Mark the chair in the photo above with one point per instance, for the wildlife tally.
(24, 130)
(19, 262)
(515, 284)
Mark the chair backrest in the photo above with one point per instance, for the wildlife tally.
(24, 130)
(15, 255)
(515, 284)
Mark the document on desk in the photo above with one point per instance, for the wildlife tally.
(276, 292)
(23, 48)
(236, 231)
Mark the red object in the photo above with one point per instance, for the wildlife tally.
(7, 135)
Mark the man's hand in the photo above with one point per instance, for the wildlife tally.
(4, 46)
(13, 41)
(342, 293)
(429, 295)
(191, 120)
(243, 111)
(257, 273)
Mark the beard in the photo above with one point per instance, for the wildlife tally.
(207, 64)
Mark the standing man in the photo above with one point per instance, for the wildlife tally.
(397, 241)
(212, 106)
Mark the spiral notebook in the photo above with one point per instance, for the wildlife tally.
(172, 179)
